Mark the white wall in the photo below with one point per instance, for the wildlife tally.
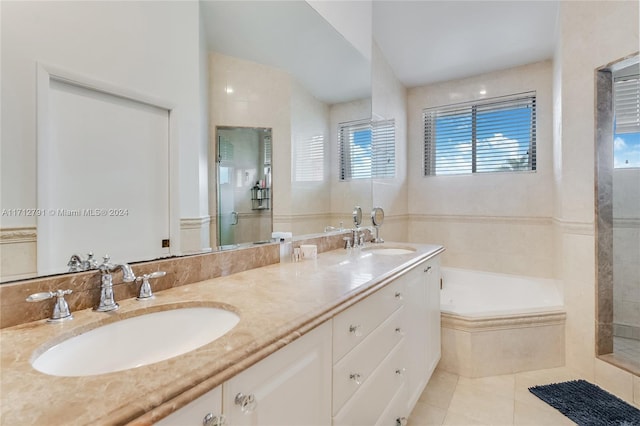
(491, 221)
(389, 101)
(311, 200)
(591, 35)
(150, 48)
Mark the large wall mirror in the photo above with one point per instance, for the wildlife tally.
(618, 213)
(273, 65)
(283, 66)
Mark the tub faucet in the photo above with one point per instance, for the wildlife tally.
(107, 301)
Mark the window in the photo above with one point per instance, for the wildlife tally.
(493, 135)
(367, 149)
(626, 105)
(309, 166)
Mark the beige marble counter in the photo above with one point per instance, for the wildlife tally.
(276, 304)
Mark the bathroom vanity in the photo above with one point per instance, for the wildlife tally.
(351, 337)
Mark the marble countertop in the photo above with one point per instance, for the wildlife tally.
(276, 305)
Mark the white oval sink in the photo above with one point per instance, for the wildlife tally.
(392, 251)
(136, 341)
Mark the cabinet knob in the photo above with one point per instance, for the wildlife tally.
(247, 403)
(398, 295)
(356, 330)
(356, 378)
(400, 371)
(401, 421)
(399, 331)
(213, 420)
(428, 270)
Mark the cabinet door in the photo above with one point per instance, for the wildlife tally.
(208, 405)
(433, 312)
(417, 331)
(290, 387)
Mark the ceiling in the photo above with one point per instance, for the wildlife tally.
(430, 41)
(292, 36)
(424, 41)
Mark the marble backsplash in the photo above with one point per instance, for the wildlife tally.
(180, 271)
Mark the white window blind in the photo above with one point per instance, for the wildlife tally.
(366, 149)
(267, 150)
(383, 147)
(627, 104)
(309, 165)
(492, 135)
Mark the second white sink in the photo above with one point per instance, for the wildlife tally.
(136, 341)
(391, 251)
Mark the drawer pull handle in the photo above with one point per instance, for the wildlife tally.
(428, 270)
(400, 371)
(211, 420)
(356, 330)
(401, 421)
(356, 378)
(247, 403)
(398, 295)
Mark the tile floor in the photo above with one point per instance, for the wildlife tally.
(497, 400)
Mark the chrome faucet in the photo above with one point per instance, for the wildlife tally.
(78, 264)
(107, 301)
(60, 308)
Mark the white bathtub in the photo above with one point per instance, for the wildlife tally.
(475, 293)
(496, 324)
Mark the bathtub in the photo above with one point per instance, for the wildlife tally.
(494, 324)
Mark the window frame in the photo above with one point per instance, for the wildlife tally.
(471, 109)
(381, 142)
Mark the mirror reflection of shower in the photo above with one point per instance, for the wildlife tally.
(244, 184)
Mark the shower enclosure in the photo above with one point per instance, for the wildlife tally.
(618, 208)
(244, 185)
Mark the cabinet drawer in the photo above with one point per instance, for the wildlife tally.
(396, 410)
(355, 368)
(353, 325)
(368, 404)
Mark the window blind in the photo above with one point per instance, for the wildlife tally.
(309, 165)
(366, 149)
(626, 100)
(383, 149)
(267, 150)
(354, 145)
(492, 135)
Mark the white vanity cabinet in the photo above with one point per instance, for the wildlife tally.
(386, 348)
(422, 307)
(366, 366)
(205, 410)
(290, 387)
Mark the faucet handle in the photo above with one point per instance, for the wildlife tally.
(60, 308)
(145, 288)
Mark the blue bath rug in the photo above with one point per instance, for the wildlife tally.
(587, 404)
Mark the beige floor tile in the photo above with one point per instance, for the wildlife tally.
(457, 419)
(482, 405)
(543, 377)
(440, 389)
(538, 414)
(425, 414)
(498, 385)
